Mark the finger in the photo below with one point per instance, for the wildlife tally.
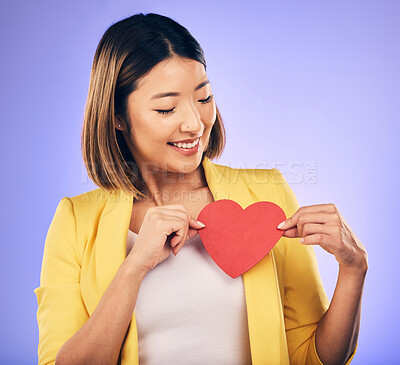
(322, 240)
(172, 206)
(189, 232)
(192, 233)
(181, 211)
(291, 233)
(175, 210)
(180, 230)
(177, 228)
(196, 224)
(318, 208)
(179, 244)
(177, 239)
(315, 228)
(183, 240)
(177, 248)
(319, 218)
(311, 228)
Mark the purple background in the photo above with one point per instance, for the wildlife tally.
(308, 87)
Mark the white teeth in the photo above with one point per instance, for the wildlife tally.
(186, 145)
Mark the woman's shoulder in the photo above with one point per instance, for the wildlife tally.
(82, 215)
(88, 207)
(92, 196)
(98, 198)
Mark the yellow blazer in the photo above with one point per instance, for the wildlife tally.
(86, 244)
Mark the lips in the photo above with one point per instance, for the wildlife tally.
(185, 141)
(187, 151)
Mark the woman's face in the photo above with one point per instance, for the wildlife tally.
(157, 120)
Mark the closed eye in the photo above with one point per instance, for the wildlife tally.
(170, 111)
(205, 101)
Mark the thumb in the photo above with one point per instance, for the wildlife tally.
(291, 233)
(193, 223)
(194, 227)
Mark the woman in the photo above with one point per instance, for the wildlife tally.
(150, 131)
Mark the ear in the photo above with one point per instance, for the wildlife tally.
(119, 123)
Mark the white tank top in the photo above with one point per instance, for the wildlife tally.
(188, 311)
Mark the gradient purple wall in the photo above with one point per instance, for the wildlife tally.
(308, 87)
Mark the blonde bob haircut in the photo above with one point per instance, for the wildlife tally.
(127, 51)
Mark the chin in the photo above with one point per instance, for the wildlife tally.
(185, 167)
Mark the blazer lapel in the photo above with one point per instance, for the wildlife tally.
(106, 251)
(103, 256)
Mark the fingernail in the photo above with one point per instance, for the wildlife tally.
(201, 224)
(281, 224)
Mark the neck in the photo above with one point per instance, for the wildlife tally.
(171, 187)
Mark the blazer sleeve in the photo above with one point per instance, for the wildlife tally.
(61, 311)
(305, 300)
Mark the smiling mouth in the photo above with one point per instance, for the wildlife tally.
(185, 145)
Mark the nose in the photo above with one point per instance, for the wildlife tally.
(191, 121)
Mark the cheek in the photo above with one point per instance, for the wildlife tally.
(209, 115)
(151, 131)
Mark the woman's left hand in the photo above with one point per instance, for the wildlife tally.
(324, 225)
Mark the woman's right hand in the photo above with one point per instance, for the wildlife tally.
(164, 229)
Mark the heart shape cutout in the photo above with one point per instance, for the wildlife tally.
(237, 238)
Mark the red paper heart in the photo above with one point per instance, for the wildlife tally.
(237, 238)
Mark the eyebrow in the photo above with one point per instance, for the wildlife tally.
(171, 93)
